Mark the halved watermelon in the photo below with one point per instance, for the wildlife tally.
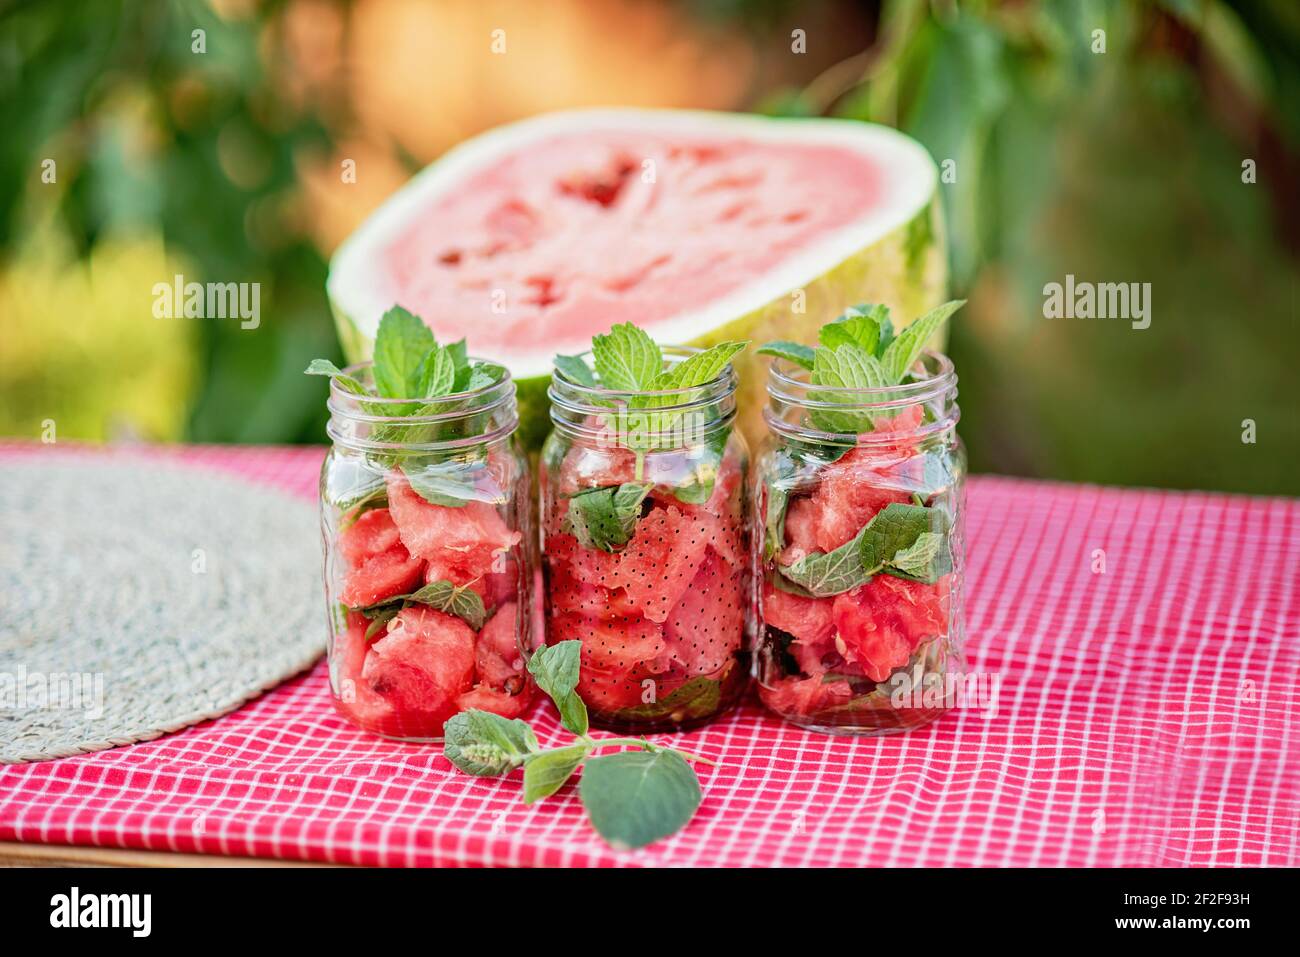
(699, 226)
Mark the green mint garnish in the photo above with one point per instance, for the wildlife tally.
(859, 350)
(442, 595)
(633, 797)
(410, 364)
(604, 518)
(626, 359)
(906, 541)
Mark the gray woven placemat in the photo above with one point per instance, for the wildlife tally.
(139, 597)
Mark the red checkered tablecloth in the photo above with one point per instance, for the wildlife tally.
(1147, 715)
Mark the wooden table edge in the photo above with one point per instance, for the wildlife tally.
(17, 854)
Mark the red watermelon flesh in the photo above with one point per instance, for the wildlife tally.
(421, 667)
(717, 212)
(486, 698)
(373, 533)
(379, 566)
(705, 629)
(354, 697)
(661, 559)
(390, 573)
(882, 622)
(470, 534)
(497, 657)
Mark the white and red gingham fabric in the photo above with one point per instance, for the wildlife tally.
(1147, 716)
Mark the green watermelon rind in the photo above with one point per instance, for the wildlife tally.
(902, 262)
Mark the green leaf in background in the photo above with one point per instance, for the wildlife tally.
(604, 518)
(626, 359)
(555, 669)
(636, 797)
(795, 352)
(326, 368)
(461, 601)
(402, 342)
(546, 772)
(903, 352)
(576, 370)
(483, 744)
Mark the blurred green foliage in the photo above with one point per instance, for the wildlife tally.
(155, 140)
(1117, 166)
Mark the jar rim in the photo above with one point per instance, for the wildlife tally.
(788, 387)
(574, 407)
(338, 391)
(496, 401)
(907, 393)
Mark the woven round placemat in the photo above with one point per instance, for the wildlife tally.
(138, 597)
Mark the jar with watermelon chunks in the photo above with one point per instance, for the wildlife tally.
(858, 522)
(643, 514)
(429, 551)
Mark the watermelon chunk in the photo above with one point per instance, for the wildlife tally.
(380, 566)
(353, 696)
(662, 558)
(497, 659)
(696, 226)
(882, 622)
(705, 628)
(421, 667)
(468, 537)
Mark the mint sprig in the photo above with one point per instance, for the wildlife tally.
(409, 363)
(906, 541)
(441, 595)
(633, 797)
(627, 359)
(859, 350)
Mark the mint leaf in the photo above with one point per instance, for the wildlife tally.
(555, 669)
(778, 500)
(604, 518)
(627, 359)
(859, 326)
(452, 483)
(894, 529)
(545, 773)
(697, 370)
(576, 370)
(794, 352)
(461, 601)
(379, 619)
(822, 574)
(436, 374)
(923, 560)
(482, 743)
(848, 367)
(637, 797)
(903, 352)
(401, 344)
(326, 368)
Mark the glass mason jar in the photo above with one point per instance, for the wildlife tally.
(429, 558)
(858, 530)
(645, 549)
